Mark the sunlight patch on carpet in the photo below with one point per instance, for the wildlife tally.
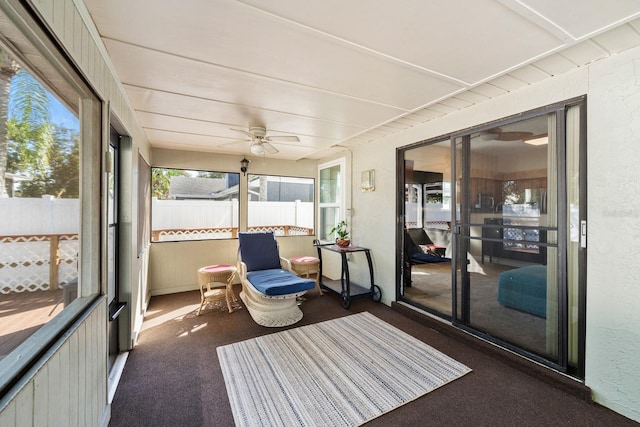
(342, 372)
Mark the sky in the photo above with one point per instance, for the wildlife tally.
(58, 112)
(61, 116)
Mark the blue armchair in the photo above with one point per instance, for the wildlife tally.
(269, 285)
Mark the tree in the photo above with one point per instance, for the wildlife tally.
(8, 69)
(160, 180)
(60, 176)
(26, 134)
(29, 111)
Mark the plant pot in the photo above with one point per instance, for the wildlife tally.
(343, 242)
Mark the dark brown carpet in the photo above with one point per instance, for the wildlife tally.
(173, 378)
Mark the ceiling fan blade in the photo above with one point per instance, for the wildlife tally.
(269, 148)
(249, 134)
(236, 141)
(282, 138)
(513, 136)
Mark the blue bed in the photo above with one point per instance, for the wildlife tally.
(524, 289)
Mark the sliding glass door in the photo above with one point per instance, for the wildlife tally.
(515, 232)
(507, 234)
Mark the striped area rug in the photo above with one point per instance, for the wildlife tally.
(342, 372)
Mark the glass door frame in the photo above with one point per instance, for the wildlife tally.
(115, 306)
(401, 181)
(461, 225)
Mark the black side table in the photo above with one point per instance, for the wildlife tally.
(344, 287)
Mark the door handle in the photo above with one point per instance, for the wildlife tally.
(115, 308)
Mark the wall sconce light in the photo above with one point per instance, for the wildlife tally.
(243, 165)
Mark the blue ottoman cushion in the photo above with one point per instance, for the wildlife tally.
(524, 289)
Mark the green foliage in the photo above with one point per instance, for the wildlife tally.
(29, 147)
(37, 149)
(340, 230)
(59, 175)
(28, 100)
(160, 179)
(207, 174)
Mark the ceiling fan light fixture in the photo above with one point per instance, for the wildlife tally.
(258, 131)
(257, 149)
(488, 135)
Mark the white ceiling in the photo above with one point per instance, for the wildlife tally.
(339, 73)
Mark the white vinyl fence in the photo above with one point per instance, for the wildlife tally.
(281, 213)
(38, 243)
(46, 215)
(209, 219)
(39, 237)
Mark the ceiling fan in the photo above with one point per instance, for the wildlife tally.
(261, 142)
(497, 134)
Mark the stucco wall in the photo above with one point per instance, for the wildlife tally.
(613, 90)
(613, 294)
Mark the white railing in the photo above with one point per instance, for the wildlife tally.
(38, 243)
(37, 262)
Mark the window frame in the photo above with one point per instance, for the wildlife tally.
(235, 222)
(313, 201)
(341, 202)
(55, 71)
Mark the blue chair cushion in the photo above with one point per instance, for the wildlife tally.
(278, 282)
(428, 258)
(416, 256)
(259, 251)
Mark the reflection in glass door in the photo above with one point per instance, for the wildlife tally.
(508, 233)
(427, 236)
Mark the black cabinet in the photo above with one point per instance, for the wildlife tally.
(506, 238)
(492, 248)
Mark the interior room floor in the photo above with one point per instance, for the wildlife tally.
(431, 288)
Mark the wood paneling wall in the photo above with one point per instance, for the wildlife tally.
(68, 387)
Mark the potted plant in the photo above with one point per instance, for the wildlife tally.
(342, 234)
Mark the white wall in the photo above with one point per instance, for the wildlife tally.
(613, 103)
(613, 294)
(47, 215)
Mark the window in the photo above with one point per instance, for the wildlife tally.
(280, 204)
(45, 152)
(332, 198)
(193, 205)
